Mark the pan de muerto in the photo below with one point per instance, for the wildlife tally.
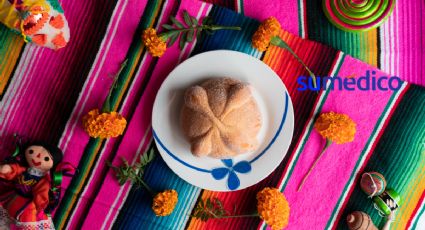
(220, 118)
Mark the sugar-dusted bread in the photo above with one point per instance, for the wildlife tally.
(220, 118)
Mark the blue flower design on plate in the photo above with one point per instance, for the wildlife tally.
(233, 181)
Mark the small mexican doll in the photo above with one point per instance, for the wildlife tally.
(26, 182)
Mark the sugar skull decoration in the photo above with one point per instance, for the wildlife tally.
(373, 183)
(38, 21)
(29, 189)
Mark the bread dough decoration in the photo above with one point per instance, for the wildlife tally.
(360, 221)
(220, 118)
(39, 21)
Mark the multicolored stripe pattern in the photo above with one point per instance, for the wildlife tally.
(44, 95)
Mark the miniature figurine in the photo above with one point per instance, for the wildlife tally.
(26, 183)
(361, 221)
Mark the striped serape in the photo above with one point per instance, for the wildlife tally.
(45, 95)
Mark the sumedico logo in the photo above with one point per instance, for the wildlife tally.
(364, 83)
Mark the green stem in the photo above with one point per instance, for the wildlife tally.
(166, 35)
(218, 27)
(239, 216)
(107, 107)
(151, 191)
(277, 41)
(328, 143)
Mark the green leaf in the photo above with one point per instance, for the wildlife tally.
(168, 27)
(209, 204)
(152, 153)
(187, 18)
(204, 217)
(207, 21)
(190, 34)
(145, 159)
(176, 22)
(219, 203)
(198, 33)
(194, 20)
(182, 40)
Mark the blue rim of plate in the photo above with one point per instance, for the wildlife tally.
(230, 168)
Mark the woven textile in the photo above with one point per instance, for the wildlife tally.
(44, 95)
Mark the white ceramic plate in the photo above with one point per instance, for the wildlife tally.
(241, 171)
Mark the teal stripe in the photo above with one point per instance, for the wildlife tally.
(356, 167)
(229, 39)
(397, 155)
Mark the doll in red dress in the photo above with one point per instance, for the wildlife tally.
(25, 184)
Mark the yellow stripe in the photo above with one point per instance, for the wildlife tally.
(368, 42)
(133, 67)
(11, 56)
(411, 200)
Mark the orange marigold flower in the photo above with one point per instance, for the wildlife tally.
(104, 125)
(273, 208)
(261, 39)
(165, 202)
(272, 25)
(156, 45)
(336, 127)
(267, 29)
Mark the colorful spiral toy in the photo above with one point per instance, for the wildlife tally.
(357, 15)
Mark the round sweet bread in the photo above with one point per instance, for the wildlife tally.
(221, 118)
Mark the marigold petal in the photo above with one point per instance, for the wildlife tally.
(338, 128)
(273, 208)
(104, 125)
(272, 26)
(155, 45)
(165, 202)
(267, 29)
